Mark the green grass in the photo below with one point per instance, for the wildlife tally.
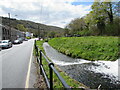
(90, 48)
(57, 83)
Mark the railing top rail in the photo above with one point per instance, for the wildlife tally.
(60, 78)
(46, 78)
(38, 48)
(45, 57)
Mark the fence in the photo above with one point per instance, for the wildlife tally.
(52, 69)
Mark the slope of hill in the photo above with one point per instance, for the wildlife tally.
(42, 29)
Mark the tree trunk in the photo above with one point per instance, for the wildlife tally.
(110, 14)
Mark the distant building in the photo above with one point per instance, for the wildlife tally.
(0, 32)
(28, 34)
(5, 32)
(31, 35)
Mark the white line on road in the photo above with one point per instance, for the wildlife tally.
(28, 73)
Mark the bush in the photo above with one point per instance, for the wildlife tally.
(28, 37)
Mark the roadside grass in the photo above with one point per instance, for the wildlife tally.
(57, 84)
(89, 48)
(40, 83)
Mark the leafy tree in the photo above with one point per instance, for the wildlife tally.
(102, 14)
(52, 34)
(66, 31)
(112, 10)
(76, 26)
(91, 24)
(99, 16)
(108, 9)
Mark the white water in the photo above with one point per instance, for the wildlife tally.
(78, 61)
(109, 68)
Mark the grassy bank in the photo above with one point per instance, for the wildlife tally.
(90, 48)
(57, 83)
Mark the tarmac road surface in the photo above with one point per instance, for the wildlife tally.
(15, 63)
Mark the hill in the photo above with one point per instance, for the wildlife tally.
(36, 28)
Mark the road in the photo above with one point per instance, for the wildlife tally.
(15, 64)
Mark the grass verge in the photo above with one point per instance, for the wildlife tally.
(40, 83)
(89, 48)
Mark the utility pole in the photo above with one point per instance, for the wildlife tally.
(9, 27)
(38, 32)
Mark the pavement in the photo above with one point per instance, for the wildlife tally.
(0, 70)
(18, 69)
(33, 74)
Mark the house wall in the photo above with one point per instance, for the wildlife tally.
(11, 34)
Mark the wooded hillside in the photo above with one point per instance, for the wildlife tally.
(36, 28)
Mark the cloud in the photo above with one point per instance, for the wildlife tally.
(50, 12)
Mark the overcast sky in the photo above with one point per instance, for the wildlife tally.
(50, 12)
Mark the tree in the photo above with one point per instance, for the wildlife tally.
(66, 31)
(76, 25)
(108, 9)
(52, 34)
(99, 16)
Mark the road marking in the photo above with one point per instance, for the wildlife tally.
(29, 67)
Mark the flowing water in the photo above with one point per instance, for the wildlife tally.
(90, 73)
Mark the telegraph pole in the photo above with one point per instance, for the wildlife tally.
(38, 32)
(9, 27)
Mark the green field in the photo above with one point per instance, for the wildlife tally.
(90, 48)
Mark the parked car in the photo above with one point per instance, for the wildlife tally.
(21, 40)
(0, 46)
(18, 41)
(25, 39)
(5, 44)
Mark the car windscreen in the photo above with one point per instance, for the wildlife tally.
(19, 39)
(4, 41)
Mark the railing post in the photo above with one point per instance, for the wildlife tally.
(40, 61)
(37, 51)
(51, 79)
(35, 48)
(51, 76)
(35, 42)
(40, 57)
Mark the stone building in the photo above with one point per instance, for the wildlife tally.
(11, 33)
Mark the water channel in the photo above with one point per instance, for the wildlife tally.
(90, 73)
